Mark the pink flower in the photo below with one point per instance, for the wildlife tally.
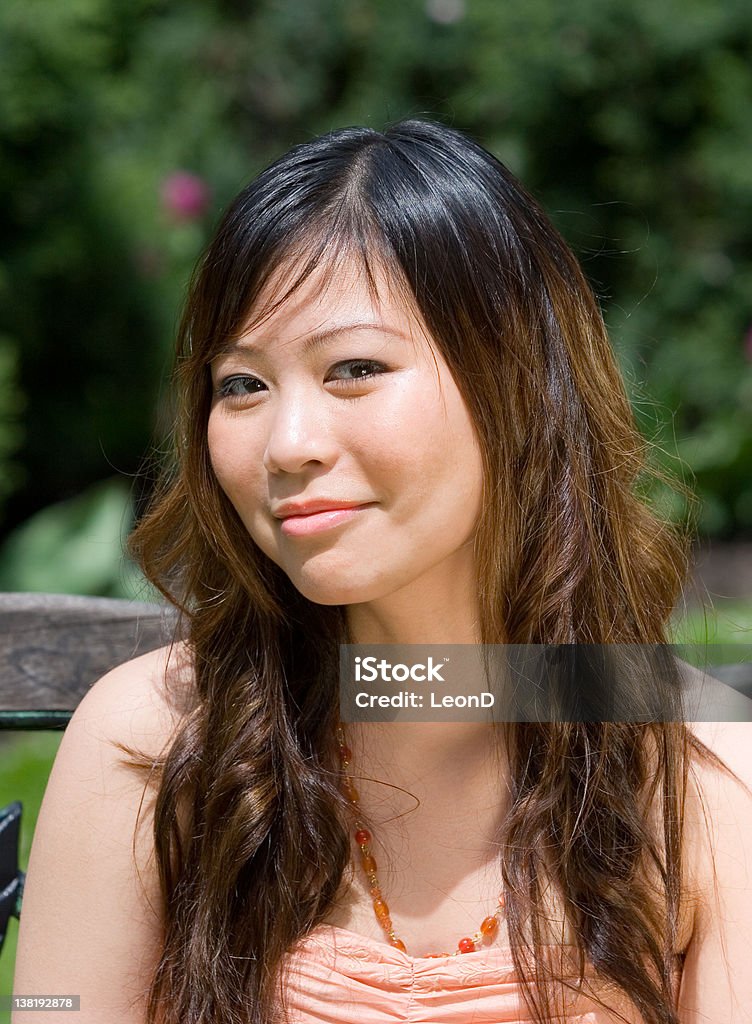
(185, 196)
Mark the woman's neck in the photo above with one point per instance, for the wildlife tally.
(417, 615)
(428, 784)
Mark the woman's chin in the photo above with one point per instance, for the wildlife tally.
(331, 591)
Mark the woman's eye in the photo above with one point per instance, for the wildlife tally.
(350, 372)
(360, 369)
(239, 386)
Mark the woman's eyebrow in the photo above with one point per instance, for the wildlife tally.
(314, 341)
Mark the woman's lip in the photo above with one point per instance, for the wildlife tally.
(315, 522)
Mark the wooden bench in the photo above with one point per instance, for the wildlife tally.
(53, 648)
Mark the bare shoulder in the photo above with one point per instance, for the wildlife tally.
(719, 802)
(716, 983)
(731, 742)
(717, 797)
(141, 702)
(91, 920)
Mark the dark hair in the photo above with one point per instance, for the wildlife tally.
(250, 822)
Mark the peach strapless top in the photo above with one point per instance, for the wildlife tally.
(338, 977)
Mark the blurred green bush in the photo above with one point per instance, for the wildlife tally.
(76, 547)
(125, 128)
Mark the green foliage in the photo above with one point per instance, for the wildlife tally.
(725, 622)
(75, 547)
(628, 119)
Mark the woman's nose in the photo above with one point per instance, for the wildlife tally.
(299, 433)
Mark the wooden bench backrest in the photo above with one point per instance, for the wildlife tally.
(53, 647)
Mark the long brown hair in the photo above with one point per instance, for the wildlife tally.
(250, 823)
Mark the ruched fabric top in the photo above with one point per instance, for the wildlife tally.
(338, 977)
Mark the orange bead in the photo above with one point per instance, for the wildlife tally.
(351, 792)
(466, 946)
(369, 864)
(345, 753)
(380, 909)
(375, 891)
(489, 926)
(398, 944)
(362, 836)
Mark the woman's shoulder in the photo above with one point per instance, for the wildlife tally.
(719, 795)
(719, 790)
(140, 702)
(717, 814)
(715, 980)
(719, 802)
(92, 900)
(719, 799)
(731, 743)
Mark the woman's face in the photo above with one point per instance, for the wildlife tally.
(339, 399)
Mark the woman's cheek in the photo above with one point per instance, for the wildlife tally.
(232, 456)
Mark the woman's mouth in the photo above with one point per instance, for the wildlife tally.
(317, 522)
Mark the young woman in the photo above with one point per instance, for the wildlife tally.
(400, 422)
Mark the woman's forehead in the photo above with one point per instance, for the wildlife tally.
(345, 286)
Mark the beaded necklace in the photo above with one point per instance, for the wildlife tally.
(489, 925)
